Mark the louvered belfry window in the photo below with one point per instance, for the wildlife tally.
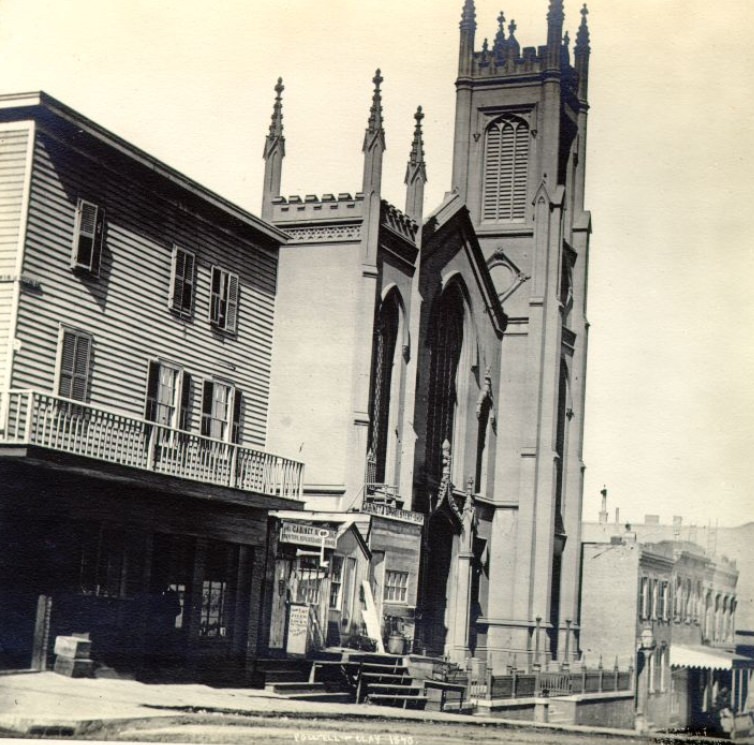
(506, 162)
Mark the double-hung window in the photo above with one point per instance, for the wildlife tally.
(396, 587)
(223, 307)
(221, 411)
(168, 395)
(74, 355)
(88, 235)
(182, 282)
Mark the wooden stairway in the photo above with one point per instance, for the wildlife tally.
(295, 679)
(384, 680)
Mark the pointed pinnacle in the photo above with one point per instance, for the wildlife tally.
(468, 16)
(555, 14)
(417, 147)
(582, 35)
(375, 113)
(276, 125)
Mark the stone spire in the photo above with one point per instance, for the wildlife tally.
(374, 141)
(466, 47)
(416, 173)
(581, 53)
(274, 152)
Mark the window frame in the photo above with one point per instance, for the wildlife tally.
(182, 395)
(400, 587)
(224, 302)
(179, 291)
(498, 206)
(92, 266)
(233, 425)
(77, 333)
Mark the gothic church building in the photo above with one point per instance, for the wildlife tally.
(437, 398)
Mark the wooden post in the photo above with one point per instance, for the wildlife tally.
(41, 633)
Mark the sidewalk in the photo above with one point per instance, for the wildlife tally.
(50, 704)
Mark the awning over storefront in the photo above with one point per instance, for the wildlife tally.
(708, 658)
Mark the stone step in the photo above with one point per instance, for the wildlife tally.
(295, 687)
(394, 689)
(333, 697)
(412, 701)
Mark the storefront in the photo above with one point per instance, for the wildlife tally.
(322, 566)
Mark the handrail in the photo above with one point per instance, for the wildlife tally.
(36, 418)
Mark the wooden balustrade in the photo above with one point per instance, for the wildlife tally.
(47, 421)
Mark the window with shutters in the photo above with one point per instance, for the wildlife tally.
(74, 361)
(88, 235)
(182, 281)
(168, 395)
(223, 310)
(222, 407)
(506, 166)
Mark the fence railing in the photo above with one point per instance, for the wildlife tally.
(517, 684)
(36, 418)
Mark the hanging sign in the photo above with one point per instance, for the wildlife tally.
(307, 535)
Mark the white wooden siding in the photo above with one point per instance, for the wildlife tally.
(126, 308)
(13, 156)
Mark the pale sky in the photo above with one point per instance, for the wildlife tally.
(670, 400)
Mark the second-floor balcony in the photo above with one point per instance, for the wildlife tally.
(34, 418)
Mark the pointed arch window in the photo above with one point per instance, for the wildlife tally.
(506, 165)
(445, 355)
(385, 344)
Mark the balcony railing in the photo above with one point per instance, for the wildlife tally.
(35, 418)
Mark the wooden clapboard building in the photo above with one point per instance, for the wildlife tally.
(136, 318)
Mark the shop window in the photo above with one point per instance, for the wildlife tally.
(216, 609)
(110, 562)
(396, 587)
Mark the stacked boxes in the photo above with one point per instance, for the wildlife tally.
(72, 656)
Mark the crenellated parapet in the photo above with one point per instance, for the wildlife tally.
(313, 207)
(315, 219)
(504, 56)
(397, 221)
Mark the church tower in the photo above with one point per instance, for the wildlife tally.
(519, 164)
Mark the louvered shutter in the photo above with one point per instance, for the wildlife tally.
(99, 236)
(231, 307)
(176, 279)
(67, 357)
(153, 379)
(215, 298)
(207, 390)
(184, 417)
(84, 235)
(237, 414)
